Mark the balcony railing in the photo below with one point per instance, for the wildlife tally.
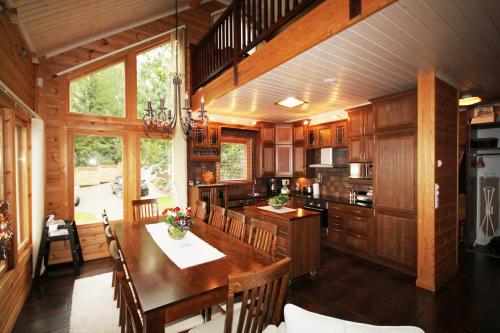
(242, 26)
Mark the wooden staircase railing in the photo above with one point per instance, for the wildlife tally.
(242, 26)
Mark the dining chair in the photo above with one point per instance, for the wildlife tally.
(235, 224)
(217, 217)
(200, 210)
(263, 236)
(145, 210)
(262, 299)
(119, 279)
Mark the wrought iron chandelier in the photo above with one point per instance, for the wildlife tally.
(164, 120)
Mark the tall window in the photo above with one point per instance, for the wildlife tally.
(153, 77)
(156, 172)
(100, 93)
(99, 185)
(235, 161)
(22, 185)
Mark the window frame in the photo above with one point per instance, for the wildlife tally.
(92, 70)
(250, 153)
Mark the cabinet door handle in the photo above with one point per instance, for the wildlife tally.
(356, 211)
(357, 217)
(336, 208)
(358, 236)
(336, 216)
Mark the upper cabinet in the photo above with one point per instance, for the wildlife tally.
(339, 130)
(284, 134)
(324, 136)
(284, 160)
(360, 137)
(312, 137)
(267, 132)
(395, 111)
(299, 132)
(205, 144)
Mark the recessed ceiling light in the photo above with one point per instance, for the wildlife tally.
(469, 100)
(254, 123)
(330, 80)
(335, 116)
(291, 102)
(233, 120)
(306, 122)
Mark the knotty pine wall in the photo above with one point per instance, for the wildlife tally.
(18, 72)
(53, 104)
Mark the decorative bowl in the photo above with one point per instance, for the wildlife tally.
(176, 233)
(208, 177)
(278, 206)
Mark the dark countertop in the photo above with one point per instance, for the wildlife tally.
(328, 198)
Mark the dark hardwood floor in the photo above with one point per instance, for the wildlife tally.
(345, 287)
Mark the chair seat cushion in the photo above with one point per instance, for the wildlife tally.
(184, 324)
(299, 320)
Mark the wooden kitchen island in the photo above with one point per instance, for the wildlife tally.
(298, 237)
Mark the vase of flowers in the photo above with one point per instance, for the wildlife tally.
(178, 220)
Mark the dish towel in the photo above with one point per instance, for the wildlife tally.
(187, 252)
(279, 211)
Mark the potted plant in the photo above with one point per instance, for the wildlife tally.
(178, 220)
(278, 201)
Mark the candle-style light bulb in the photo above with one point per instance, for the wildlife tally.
(162, 103)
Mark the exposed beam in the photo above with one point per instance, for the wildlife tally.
(322, 22)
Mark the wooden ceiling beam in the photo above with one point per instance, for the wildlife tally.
(322, 22)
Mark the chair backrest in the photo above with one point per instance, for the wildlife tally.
(262, 299)
(146, 210)
(263, 236)
(109, 234)
(114, 253)
(235, 224)
(105, 219)
(217, 217)
(200, 210)
(132, 322)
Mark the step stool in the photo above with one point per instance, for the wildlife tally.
(74, 241)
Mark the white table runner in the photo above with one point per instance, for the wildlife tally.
(279, 211)
(187, 252)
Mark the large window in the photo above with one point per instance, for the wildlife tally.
(156, 172)
(235, 161)
(153, 77)
(98, 178)
(100, 93)
(22, 185)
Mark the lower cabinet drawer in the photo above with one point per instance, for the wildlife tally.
(358, 224)
(357, 242)
(335, 236)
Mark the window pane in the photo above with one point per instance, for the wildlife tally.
(156, 172)
(233, 165)
(100, 93)
(22, 199)
(98, 178)
(153, 81)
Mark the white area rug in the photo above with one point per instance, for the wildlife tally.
(92, 308)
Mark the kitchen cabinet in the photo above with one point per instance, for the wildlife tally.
(284, 160)
(324, 136)
(204, 145)
(312, 137)
(360, 134)
(340, 134)
(299, 132)
(395, 111)
(299, 160)
(395, 239)
(213, 194)
(284, 134)
(267, 132)
(268, 160)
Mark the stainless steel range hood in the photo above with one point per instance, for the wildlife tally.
(331, 160)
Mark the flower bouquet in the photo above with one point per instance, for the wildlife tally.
(178, 220)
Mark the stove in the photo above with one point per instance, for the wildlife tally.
(319, 206)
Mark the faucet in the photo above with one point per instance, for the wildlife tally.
(253, 185)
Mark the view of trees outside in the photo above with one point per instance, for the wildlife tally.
(156, 172)
(98, 178)
(100, 93)
(153, 77)
(233, 164)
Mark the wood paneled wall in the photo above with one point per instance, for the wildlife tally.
(18, 72)
(53, 104)
(437, 171)
(16, 68)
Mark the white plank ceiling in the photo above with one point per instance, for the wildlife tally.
(54, 24)
(379, 56)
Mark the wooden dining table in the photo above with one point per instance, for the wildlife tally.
(164, 291)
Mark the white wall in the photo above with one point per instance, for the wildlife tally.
(492, 168)
(179, 149)
(37, 183)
